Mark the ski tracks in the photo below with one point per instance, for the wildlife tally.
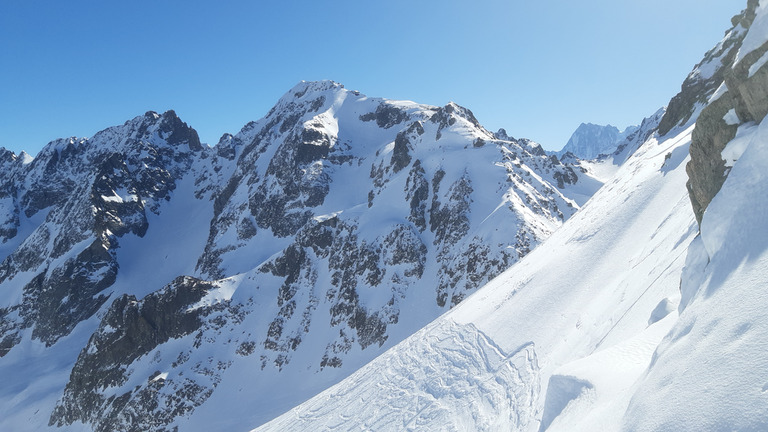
(453, 377)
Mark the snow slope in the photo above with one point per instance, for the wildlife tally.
(711, 371)
(530, 343)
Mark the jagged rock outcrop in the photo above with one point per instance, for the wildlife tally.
(708, 75)
(84, 195)
(743, 83)
(100, 390)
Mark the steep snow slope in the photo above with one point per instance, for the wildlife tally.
(711, 371)
(590, 289)
(716, 353)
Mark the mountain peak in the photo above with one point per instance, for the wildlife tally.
(304, 87)
(178, 132)
(591, 140)
(502, 134)
(7, 156)
(151, 115)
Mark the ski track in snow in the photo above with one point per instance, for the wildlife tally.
(454, 363)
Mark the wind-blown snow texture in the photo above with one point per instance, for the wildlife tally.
(626, 318)
(171, 284)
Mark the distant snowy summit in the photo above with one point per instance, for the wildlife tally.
(591, 140)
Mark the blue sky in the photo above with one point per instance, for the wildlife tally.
(538, 69)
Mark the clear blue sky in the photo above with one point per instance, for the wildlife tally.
(538, 69)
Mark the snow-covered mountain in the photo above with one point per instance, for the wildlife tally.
(150, 282)
(590, 140)
(632, 316)
(489, 363)
(333, 266)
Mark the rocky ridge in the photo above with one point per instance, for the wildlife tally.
(739, 100)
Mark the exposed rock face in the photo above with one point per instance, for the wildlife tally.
(708, 75)
(741, 92)
(386, 116)
(10, 168)
(131, 329)
(323, 234)
(86, 194)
